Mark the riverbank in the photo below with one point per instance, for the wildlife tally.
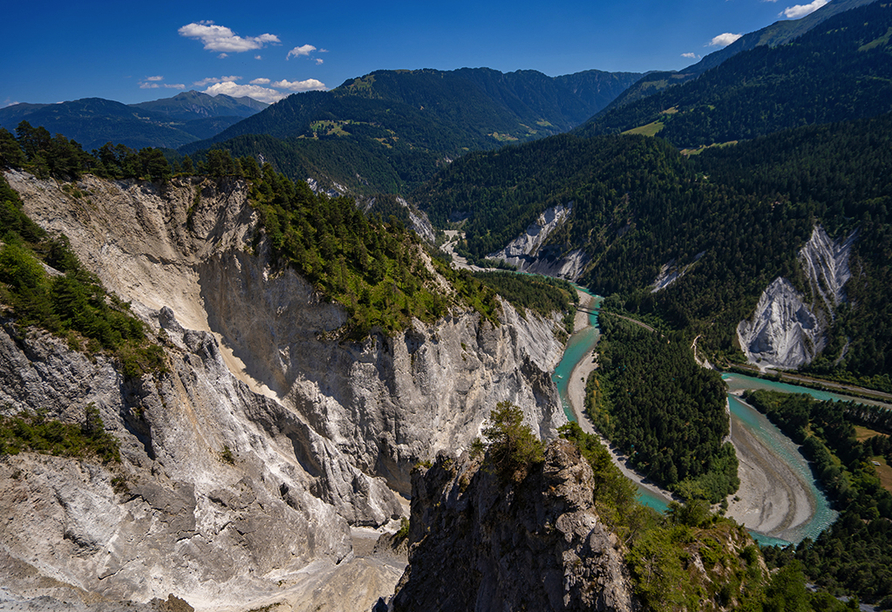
(772, 499)
(576, 395)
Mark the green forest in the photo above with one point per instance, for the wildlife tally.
(378, 270)
(839, 70)
(735, 217)
(650, 398)
(854, 555)
(69, 302)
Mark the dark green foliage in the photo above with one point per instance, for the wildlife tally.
(616, 497)
(390, 131)
(541, 294)
(163, 123)
(403, 531)
(637, 205)
(513, 449)
(855, 554)
(71, 304)
(36, 151)
(33, 432)
(840, 70)
(840, 176)
(375, 270)
(733, 219)
(226, 455)
(667, 413)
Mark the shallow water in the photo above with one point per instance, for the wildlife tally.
(580, 344)
(583, 342)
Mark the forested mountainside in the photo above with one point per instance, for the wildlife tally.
(778, 33)
(839, 70)
(737, 216)
(165, 123)
(390, 130)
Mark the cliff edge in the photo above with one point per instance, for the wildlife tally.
(479, 544)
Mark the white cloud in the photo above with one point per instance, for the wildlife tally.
(302, 51)
(308, 85)
(221, 38)
(222, 56)
(154, 82)
(690, 55)
(257, 57)
(210, 80)
(160, 85)
(263, 94)
(260, 81)
(801, 10)
(318, 61)
(723, 40)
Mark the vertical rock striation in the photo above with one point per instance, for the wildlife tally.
(788, 329)
(478, 544)
(528, 254)
(320, 433)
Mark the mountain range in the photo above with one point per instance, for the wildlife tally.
(227, 366)
(165, 123)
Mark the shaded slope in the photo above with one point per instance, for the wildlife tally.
(389, 130)
(839, 70)
(778, 33)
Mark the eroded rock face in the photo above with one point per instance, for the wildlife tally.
(788, 329)
(478, 544)
(321, 432)
(528, 254)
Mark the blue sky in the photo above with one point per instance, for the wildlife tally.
(56, 51)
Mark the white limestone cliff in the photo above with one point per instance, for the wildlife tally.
(324, 434)
(788, 329)
(528, 254)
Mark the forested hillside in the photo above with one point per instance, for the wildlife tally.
(839, 70)
(663, 410)
(168, 122)
(738, 214)
(377, 271)
(778, 33)
(391, 130)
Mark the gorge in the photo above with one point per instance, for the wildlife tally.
(247, 463)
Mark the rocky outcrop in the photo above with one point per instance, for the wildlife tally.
(478, 544)
(671, 272)
(788, 329)
(320, 433)
(529, 254)
(784, 332)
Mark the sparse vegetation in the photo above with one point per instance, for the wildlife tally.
(66, 300)
(512, 447)
(36, 433)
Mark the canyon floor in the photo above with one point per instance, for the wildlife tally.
(772, 499)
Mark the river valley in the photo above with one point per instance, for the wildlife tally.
(778, 500)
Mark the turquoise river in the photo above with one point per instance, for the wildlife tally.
(583, 342)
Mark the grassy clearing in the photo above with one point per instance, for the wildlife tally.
(651, 129)
(884, 472)
(864, 433)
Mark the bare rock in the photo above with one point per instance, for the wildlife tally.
(479, 544)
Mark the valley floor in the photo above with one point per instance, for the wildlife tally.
(772, 499)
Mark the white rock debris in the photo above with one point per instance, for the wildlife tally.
(322, 434)
(527, 253)
(788, 329)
